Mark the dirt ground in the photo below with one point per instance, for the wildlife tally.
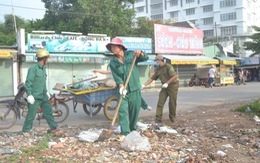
(203, 135)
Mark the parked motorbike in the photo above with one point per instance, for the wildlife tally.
(10, 110)
(196, 81)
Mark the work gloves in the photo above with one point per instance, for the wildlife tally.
(48, 95)
(122, 91)
(149, 108)
(30, 99)
(165, 85)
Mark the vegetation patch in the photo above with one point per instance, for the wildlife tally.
(251, 109)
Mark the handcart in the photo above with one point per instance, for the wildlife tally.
(94, 99)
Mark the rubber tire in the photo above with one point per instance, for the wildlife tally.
(94, 112)
(107, 109)
(12, 114)
(64, 110)
(191, 84)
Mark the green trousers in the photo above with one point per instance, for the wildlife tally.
(144, 105)
(129, 111)
(171, 92)
(33, 109)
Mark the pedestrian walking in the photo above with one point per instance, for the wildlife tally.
(212, 75)
(170, 86)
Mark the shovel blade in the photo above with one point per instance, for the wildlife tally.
(106, 134)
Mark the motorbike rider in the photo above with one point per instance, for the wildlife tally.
(38, 96)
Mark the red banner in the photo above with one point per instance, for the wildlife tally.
(178, 40)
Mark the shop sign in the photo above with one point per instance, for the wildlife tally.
(67, 43)
(6, 54)
(69, 59)
(137, 43)
(190, 62)
(227, 80)
(226, 62)
(177, 40)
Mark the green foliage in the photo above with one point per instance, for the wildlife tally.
(33, 152)
(254, 45)
(254, 108)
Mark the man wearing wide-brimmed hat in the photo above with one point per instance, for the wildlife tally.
(120, 67)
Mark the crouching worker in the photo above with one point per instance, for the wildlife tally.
(37, 94)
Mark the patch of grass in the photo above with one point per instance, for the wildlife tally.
(254, 108)
(33, 152)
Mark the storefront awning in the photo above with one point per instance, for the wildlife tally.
(6, 54)
(71, 58)
(227, 60)
(190, 60)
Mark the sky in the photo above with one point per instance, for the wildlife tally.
(26, 9)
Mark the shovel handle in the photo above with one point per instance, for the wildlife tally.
(122, 96)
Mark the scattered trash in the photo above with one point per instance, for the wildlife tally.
(117, 129)
(91, 135)
(221, 153)
(9, 151)
(248, 109)
(142, 126)
(135, 142)
(166, 129)
(256, 118)
(50, 144)
(227, 146)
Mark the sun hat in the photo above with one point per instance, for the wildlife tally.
(158, 57)
(116, 41)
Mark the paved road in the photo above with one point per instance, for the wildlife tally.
(189, 98)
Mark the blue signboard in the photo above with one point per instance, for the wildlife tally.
(137, 43)
(67, 43)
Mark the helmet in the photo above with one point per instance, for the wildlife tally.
(116, 41)
(42, 53)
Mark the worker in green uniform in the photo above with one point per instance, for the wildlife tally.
(38, 96)
(144, 105)
(120, 67)
(170, 85)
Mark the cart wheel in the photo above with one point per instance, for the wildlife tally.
(110, 108)
(95, 108)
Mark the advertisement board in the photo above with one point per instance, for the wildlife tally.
(137, 43)
(67, 43)
(177, 40)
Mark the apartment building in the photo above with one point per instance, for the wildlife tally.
(221, 20)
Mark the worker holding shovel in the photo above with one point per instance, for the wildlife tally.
(121, 66)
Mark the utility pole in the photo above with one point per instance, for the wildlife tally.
(216, 31)
(14, 17)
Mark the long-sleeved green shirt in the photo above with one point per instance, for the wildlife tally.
(120, 71)
(36, 81)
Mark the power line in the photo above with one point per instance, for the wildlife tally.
(31, 8)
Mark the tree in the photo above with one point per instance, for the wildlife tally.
(254, 45)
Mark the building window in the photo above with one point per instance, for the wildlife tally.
(207, 21)
(140, 9)
(227, 3)
(174, 14)
(231, 30)
(189, 1)
(174, 3)
(190, 11)
(193, 21)
(208, 8)
(156, 6)
(157, 17)
(208, 33)
(228, 16)
(136, 1)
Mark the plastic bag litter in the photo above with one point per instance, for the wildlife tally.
(165, 129)
(142, 126)
(91, 135)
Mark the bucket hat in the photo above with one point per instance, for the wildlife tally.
(116, 41)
